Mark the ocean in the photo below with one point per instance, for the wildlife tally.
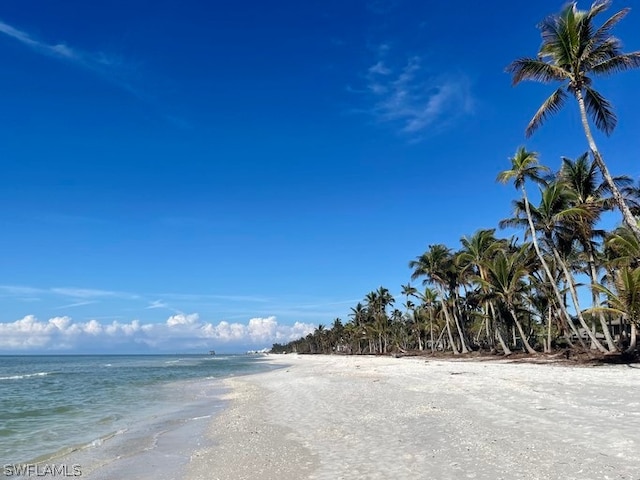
(112, 416)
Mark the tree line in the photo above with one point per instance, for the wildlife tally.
(503, 295)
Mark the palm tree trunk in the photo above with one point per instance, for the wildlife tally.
(525, 342)
(488, 324)
(493, 320)
(431, 328)
(456, 316)
(549, 330)
(463, 342)
(476, 338)
(576, 303)
(628, 217)
(547, 270)
(595, 295)
(507, 351)
(634, 338)
(448, 322)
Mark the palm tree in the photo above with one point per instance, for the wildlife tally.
(623, 248)
(551, 219)
(429, 299)
(505, 274)
(476, 251)
(438, 266)
(337, 336)
(625, 299)
(409, 291)
(572, 51)
(359, 318)
(581, 177)
(377, 303)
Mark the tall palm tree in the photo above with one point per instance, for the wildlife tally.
(573, 50)
(550, 217)
(525, 166)
(581, 176)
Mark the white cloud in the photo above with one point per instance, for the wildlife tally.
(180, 332)
(379, 69)
(110, 68)
(18, 290)
(90, 293)
(59, 50)
(182, 319)
(76, 304)
(157, 304)
(411, 98)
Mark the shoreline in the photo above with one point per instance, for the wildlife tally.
(246, 444)
(158, 444)
(346, 417)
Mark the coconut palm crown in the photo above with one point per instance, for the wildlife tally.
(573, 51)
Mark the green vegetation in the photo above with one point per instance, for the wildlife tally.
(499, 295)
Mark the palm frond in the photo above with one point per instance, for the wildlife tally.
(551, 105)
(620, 181)
(602, 34)
(513, 223)
(556, 43)
(606, 50)
(573, 213)
(598, 7)
(600, 110)
(619, 63)
(536, 70)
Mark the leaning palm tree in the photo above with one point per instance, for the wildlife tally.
(525, 166)
(573, 50)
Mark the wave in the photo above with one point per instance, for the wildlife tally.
(26, 375)
(68, 450)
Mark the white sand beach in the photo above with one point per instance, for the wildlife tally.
(335, 417)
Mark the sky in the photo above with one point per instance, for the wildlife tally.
(180, 176)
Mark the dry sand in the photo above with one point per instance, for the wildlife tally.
(334, 417)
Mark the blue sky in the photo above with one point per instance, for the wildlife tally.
(186, 175)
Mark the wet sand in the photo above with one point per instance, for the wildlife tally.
(335, 417)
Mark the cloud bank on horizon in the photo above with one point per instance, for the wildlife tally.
(181, 333)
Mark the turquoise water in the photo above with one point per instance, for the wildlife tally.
(100, 410)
